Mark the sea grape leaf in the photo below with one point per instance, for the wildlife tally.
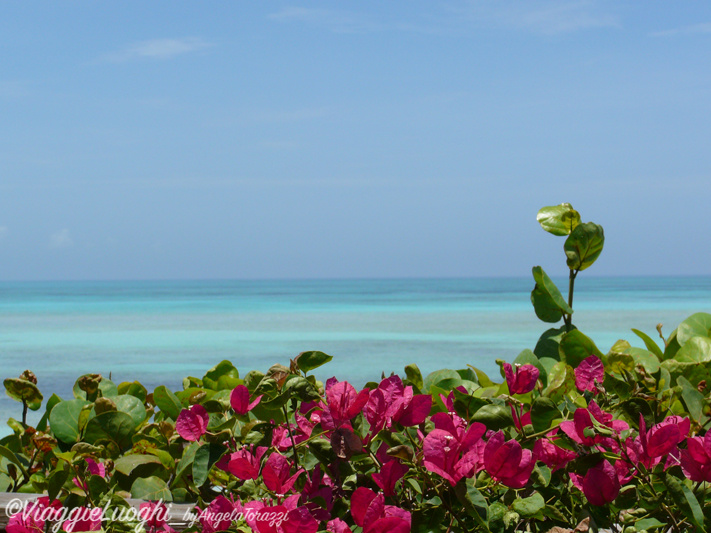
(415, 376)
(649, 343)
(693, 399)
(561, 380)
(559, 220)
(128, 463)
(643, 357)
(698, 324)
(695, 350)
(21, 389)
(114, 426)
(548, 343)
(450, 376)
(543, 412)
(310, 360)
(167, 402)
(151, 489)
(107, 387)
(134, 388)
(64, 420)
(473, 501)
(548, 302)
(529, 507)
(584, 245)
(494, 416)
(221, 376)
(132, 406)
(576, 346)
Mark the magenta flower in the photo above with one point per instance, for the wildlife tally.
(244, 463)
(192, 423)
(301, 431)
(452, 451)
(318, 486)
(696, 459)
(507, 462)
(338, 526)
(600, 483)
(83, 519)
(239, 400)
(554, 457)
(663, 437)
(276, 474)
(285, 518)
(391, 472)
(370, 512)
(155, 515)
(219, 515)
(521, 380)
(589, 371)
(582, 420)
(32, 518)
(344, 403)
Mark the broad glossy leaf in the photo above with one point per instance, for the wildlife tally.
(695, 350)
(558, 219)
(643, 357)
(115, 426)
(494, 416)
(584, 245)
(649, 343)
(132, 406)
(698, 324)
(64, 420)
(222, 376)
(107, 387)
(21, 389)
(134, 388)
(310, 360)
(167, 402)
(561, 380)
(451, 376)
(414, 376)
(548, 302)
(473, 501)
(186, 461)
(548, 343)
(576, 346)
(685, 499)
(543, 412)
(128, 463)
(693, 400)
(529, 507)
(151, 489)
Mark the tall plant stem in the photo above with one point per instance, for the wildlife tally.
(291, 436)
(571, 287)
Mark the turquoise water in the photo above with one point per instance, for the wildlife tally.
(160, 332)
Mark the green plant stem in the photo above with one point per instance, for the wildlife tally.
(24, 412)
(291, 436)
(571, 287)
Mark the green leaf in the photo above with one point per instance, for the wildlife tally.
(548, 302)
(445, 375)
(695, 350)
(201, 465)
(698, 324)
(134, 388)
(107, 387)
(649, 343)
(310, 360)
(414, 375)
(53, 400)
(128, 463)
(559, 220)
(186, 460)
(151, 489)
(576, 346)
(473, 501)
(13, 458)
(584, 245)
(693, 399)
(221, 376)
(643, 357)
(529, 507)
(21, 389)
(113, 426)
(167, 402)
(64, 420)
(561, 380)
(494, 416)
(549, 342)
(132, 406)
(649, 523)
(685, 499)
(543, 412)
(56, 481)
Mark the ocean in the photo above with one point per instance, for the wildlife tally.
(159, 332)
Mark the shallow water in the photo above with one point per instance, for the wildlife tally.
(160, 332)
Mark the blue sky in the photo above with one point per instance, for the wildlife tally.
(150, 140)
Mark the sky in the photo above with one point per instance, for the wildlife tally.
(214, 140)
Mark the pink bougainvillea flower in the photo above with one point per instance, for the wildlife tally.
(301, 431)
(338, 526)
(92, 469)
(589, 371)
(239, 400)
(344, 403)
(285, 518)
(219, 515)
(554, 457)
(452, 451)
(370, 512)
(582, 420)
(522, 379)
(390, 473)
(522, 421)
(696, 459)
(663, 437)
(276, 474)
(318, 486)
(83, 519)
(244, 463)
(192, 423)
(600, 483)
(155, 515)
(507, 462)
(32, 518)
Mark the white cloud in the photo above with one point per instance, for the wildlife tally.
(61, 239)
(685, 30)
(159, 49)
(548, 17)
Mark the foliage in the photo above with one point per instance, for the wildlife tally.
(569, 434)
